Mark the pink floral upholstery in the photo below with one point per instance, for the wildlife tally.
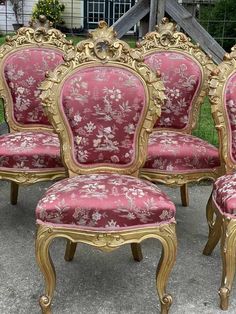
(24, 70)
(224, 194)
(182, 78)
(173, 151)
(30, 150)
(104, 201)
(103, 106)
(230, 106)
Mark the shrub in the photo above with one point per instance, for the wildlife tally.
(52, 9)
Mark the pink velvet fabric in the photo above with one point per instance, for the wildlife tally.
(104, 201)
(30, 150)
(182, 78)
(224, 194)
(24, 70)
(173, 151)
(103, 106)
(230, 106)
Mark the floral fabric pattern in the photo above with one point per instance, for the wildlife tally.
(182, 79)
(230, 106)
(107, 201)
(224, 194)
(30, 150)
(103, 106)
(24, 70)
(173, 151)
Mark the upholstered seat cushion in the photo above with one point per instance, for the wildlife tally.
(104, 201)
(174, 151)
(30, 150)
(224, 194)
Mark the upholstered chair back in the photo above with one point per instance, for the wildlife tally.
(23, 70)
(184, 69)
(223, 98)
(25, 59)
(104, 105)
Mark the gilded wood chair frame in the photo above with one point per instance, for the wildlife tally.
(89, 53)
(166, 38)
(40, 34)
(222, 226)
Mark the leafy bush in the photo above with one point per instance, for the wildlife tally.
(52, 9)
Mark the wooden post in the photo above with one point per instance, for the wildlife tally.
(153, 15)
(144, 26)
(194, 30)
(161, 10)
(131, 17)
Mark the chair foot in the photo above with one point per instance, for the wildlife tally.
(184, 195)
(166, 303)
(14, 193)
(70, 250)
(45, 304)
(137, 251)
(224, 298)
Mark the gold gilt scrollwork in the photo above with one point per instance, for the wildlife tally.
(103, 48)
(107, 242)
(217, 82)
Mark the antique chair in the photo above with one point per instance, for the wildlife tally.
(103, 103)
(30, 152)
(175, 157)
(221, 209)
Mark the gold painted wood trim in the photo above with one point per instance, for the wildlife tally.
(106, 241)
(29, 177)
(224, 228)
(217, 83)
(180, 178)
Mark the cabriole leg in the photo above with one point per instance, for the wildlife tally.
(184, 195)
(166, 263)
(45, 263)
(214, 236)
(137, 251)
(14, 192)
(228, 254)
(70, 250)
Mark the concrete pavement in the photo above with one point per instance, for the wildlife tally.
(107, 283)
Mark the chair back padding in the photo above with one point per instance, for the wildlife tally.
(104, 107)
(103, 102)
(230, 109)
(25, 58)
(23, 71)
(184, 69)
(182, 78)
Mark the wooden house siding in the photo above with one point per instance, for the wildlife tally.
(7, 17)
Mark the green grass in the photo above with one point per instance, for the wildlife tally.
(205, 129)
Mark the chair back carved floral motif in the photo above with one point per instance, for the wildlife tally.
(108, 101)
(24, 60)
(184, 69)
(223, 98)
